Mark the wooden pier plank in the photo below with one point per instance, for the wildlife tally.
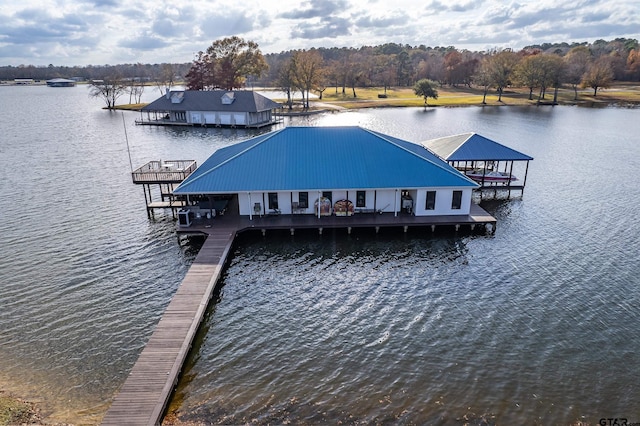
(146, 391)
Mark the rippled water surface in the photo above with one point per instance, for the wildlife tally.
(537, 324)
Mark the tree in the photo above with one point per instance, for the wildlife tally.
(166, 78)
(427, 89)
(200, 75)
(232, 60)
(554, 74)
(286, 80)
(501, 66)
(109, 90)
(599, 75)
(483, 78)
(577, 62)
(527, 73)
(633, 64)
(307, 71)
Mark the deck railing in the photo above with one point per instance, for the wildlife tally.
(164, 171)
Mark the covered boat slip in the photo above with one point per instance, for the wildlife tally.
(494, 166)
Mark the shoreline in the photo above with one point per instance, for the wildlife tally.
(621, 95)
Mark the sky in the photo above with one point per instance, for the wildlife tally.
(99, 32)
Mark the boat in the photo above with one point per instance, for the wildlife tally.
(480, 175)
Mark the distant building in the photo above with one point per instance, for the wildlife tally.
(23, 81)
(61, 82)
(211, 108)
(326, 171)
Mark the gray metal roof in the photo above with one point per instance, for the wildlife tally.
(321, 158)
(211, 100)
(472, 147)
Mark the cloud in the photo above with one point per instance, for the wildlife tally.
(112, 31)
(224, 23)
(144, 41)
(438, 7)
(330, 27)
(317, 9)
(396, 19)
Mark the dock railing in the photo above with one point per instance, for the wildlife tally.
(164, 171)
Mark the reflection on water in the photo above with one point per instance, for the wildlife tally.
(535, 324)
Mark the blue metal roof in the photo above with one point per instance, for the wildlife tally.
(473, 147)
(321, 158)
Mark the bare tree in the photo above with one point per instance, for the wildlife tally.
(109, 90)
(483, 78)
(166, 78)
(577, 61)
(286, 80)
(307, 71)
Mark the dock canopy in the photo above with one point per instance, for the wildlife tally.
(480, 158)
(472, 147)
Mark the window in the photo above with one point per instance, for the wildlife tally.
(327, 194)
(303, 200)
(431, 200)
(361, 198)
(457, 200)
(273, 200)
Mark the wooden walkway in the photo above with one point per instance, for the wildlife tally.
(477, 217)
(144, 395)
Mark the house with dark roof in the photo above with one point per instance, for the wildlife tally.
(216, 108)
(326, 171)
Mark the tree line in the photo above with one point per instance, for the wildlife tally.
(233, 63)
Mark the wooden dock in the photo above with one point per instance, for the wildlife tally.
(477, 218)
(145, 393)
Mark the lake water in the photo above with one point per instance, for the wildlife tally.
(537, 324)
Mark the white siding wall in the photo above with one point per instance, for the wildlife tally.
(227, 118)
(385, 200)
(444, 197)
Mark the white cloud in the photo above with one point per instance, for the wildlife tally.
(80, 32)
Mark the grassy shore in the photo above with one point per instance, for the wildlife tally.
(15, 411)
(619, 95)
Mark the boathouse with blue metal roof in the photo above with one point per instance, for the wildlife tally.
(329, 171)
(486, 161)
